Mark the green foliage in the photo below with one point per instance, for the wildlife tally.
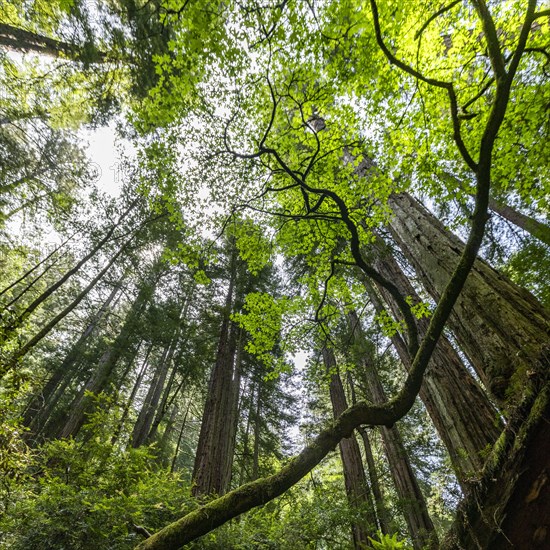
(388, 542)
(89, 495)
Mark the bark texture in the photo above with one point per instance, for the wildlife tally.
(214, 456)
(466, 420)
(357, 489)
(502, 328)
(106, 365)
(411, 499)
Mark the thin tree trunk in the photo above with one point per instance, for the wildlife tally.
(357, 489)
(257, 426)
(502, 328)
(147, 412)
(20, 40)
(34, 268)
(40, 407)
(52, 288)
(23, 350)
(168, 431)
(180, 437)
(107, 363)
(381, 511)
(165, 403)
(132, 396)
(539, 230)
(246, 436)
(412, 500)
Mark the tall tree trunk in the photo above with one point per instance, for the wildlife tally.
(150, 404)
(132, 396)
(168, 430)
(246, 437)
(535, 228)
(41, 405)
(502, 328)
(20, 40)
(107, 363)
(465, 420)
(412, 500)
(530, 225)
(212, 469)
(53, 287)
(257, 426)
(381, 510)
(357, 489)
(32, 270)
(165, 402)
(180, 437)
(23, 350)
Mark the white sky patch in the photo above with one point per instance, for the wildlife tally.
(106, 152)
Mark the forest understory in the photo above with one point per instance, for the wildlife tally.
(274, 275)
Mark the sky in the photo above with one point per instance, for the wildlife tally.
(104, 151)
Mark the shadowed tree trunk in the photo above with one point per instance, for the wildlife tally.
(214, 456)
(20, 40)
(411, 499)
(150, 404)
(502, 328)
(534, 227)
(23, 350)
(465, 420)
(357, 489)
(381, 510)
(42, 404)
(107, 363)
(132, 396)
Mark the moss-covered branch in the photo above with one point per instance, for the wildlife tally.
(256, 493)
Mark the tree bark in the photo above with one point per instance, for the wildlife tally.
(411, 499)
(150, 404)
(97, 381)
(502, 328)
(32, 270)
(466, 421)
(42, 404)
(539, 230)
(214, 456)
(133, 393)
(381, 511)
(530, 225)
(180, 437)
(20, 40)
(357, 489)
(23, 350)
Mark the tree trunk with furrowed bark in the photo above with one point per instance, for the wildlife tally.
(466, 421)
(502, 328)
(411, 499)
(357, 489)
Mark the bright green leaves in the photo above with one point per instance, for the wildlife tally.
(262, 319)
(252, 244)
